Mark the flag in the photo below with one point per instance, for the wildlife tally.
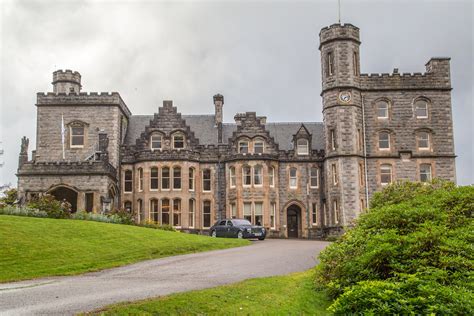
(63, 130)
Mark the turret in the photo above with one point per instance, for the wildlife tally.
(66, 81)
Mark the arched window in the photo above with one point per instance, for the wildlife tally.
(385, 174)
(165, 178)
(191, 179)
(293, 178)
(246, 175)
(178, 141)
(314, 179)
(382, 109)
(423, 140)
(206, 214)
(302, 146)
(384, 140)
(335, 206)
(165, 211)
(154, 215)
(421, 108)
(271, 176)
(141, 211)
(335, 176)
(140, 179)
(330, 64)
(192, 204)
(127, 206)
(155, 141)
(232, 178)
(176, 212)
(154, 178)
(258, 146)
(258, 175)
(176, 178)
(425, 172)
(128, 181)
(206, 180)
(243, 146)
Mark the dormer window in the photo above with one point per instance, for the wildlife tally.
(258, 146)
(243, 147)
(302, 146)
(155, 141)
(178, 141)
(77, 137)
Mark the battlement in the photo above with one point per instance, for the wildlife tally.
(81, 98)
(339, 32)
(67, 168)
(249, 116)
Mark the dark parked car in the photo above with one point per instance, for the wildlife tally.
(239, 228)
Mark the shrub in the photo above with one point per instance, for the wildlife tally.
(53, 207)
(156, 225)
(125, 217)
(17, 211)
(10, 197)
(415, 236)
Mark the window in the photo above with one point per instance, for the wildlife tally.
(313, 181)
(314, 214)
(206, 180)
(246, 175)
(128, 181)
(155, 141)
(206, 214)
(362, 205)
(191, 213)
(360, 144)
(258, 175)
(421, 109)
(384, 140)
(165, 211)
(165, 178)
(258, 213)
(361, 175)
(273, 215)
(385, 174)
(382, 109)
(128, 206)
(248, 211)
(355, 64)
(425, 172)
(176, 178)
(258, 147)
(302, 146)
(243, 146)
(232, 179)
(271, 176)
(191, 179)
(336, 212)
(90, 202)
(176, 212)
(154, 211)
(330, 64)
(334, 174)
(332, 134)
(178, 141)
(423, 140)
(233, 210)
(154, 178)
(77, 137)
(293, 178)
(141, 211)
(325, 216)
(140, 179)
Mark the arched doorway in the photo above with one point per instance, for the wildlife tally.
(64, 193)
(293, 221)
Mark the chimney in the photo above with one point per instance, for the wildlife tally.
(218, 103)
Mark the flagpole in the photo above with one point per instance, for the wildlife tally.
(62, 134)
(339, 10)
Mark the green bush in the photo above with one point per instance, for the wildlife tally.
(10, 197)
(24, 211)
(412, 231)
(54, 208)
(156, 225)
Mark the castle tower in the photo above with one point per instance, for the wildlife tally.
(342, 112)
(66, 81)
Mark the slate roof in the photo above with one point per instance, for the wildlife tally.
(205, 130)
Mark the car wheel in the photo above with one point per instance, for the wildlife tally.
(261, 238)
(240, 235)
(214, 234)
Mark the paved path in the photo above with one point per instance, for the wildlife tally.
(73, 294)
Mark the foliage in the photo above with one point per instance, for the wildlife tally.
(54, 208)
(291, 294)
(156, 225)
(125, 217)
(415, 242)
(113, 218)
(9, 198)
(39, 247)
(23, 211)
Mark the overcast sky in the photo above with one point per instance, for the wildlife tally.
(262, 56)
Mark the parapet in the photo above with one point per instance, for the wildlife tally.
(339, 32)
(66, 76)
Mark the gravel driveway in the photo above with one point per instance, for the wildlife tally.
(73, 294)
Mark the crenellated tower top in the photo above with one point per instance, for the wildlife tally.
(66, 81)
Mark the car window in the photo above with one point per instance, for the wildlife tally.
(238, 222)
(221, 223)
(229, 223)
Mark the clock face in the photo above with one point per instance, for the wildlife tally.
(345, 96)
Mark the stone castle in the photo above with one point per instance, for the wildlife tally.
(306, 180)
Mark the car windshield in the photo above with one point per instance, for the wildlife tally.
(239, 222)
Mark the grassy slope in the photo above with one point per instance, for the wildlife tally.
(34, 247)
(292, 294)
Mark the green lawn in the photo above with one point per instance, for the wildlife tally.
(37, 247)
(292, 294)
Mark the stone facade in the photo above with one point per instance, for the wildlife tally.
(306, 180)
